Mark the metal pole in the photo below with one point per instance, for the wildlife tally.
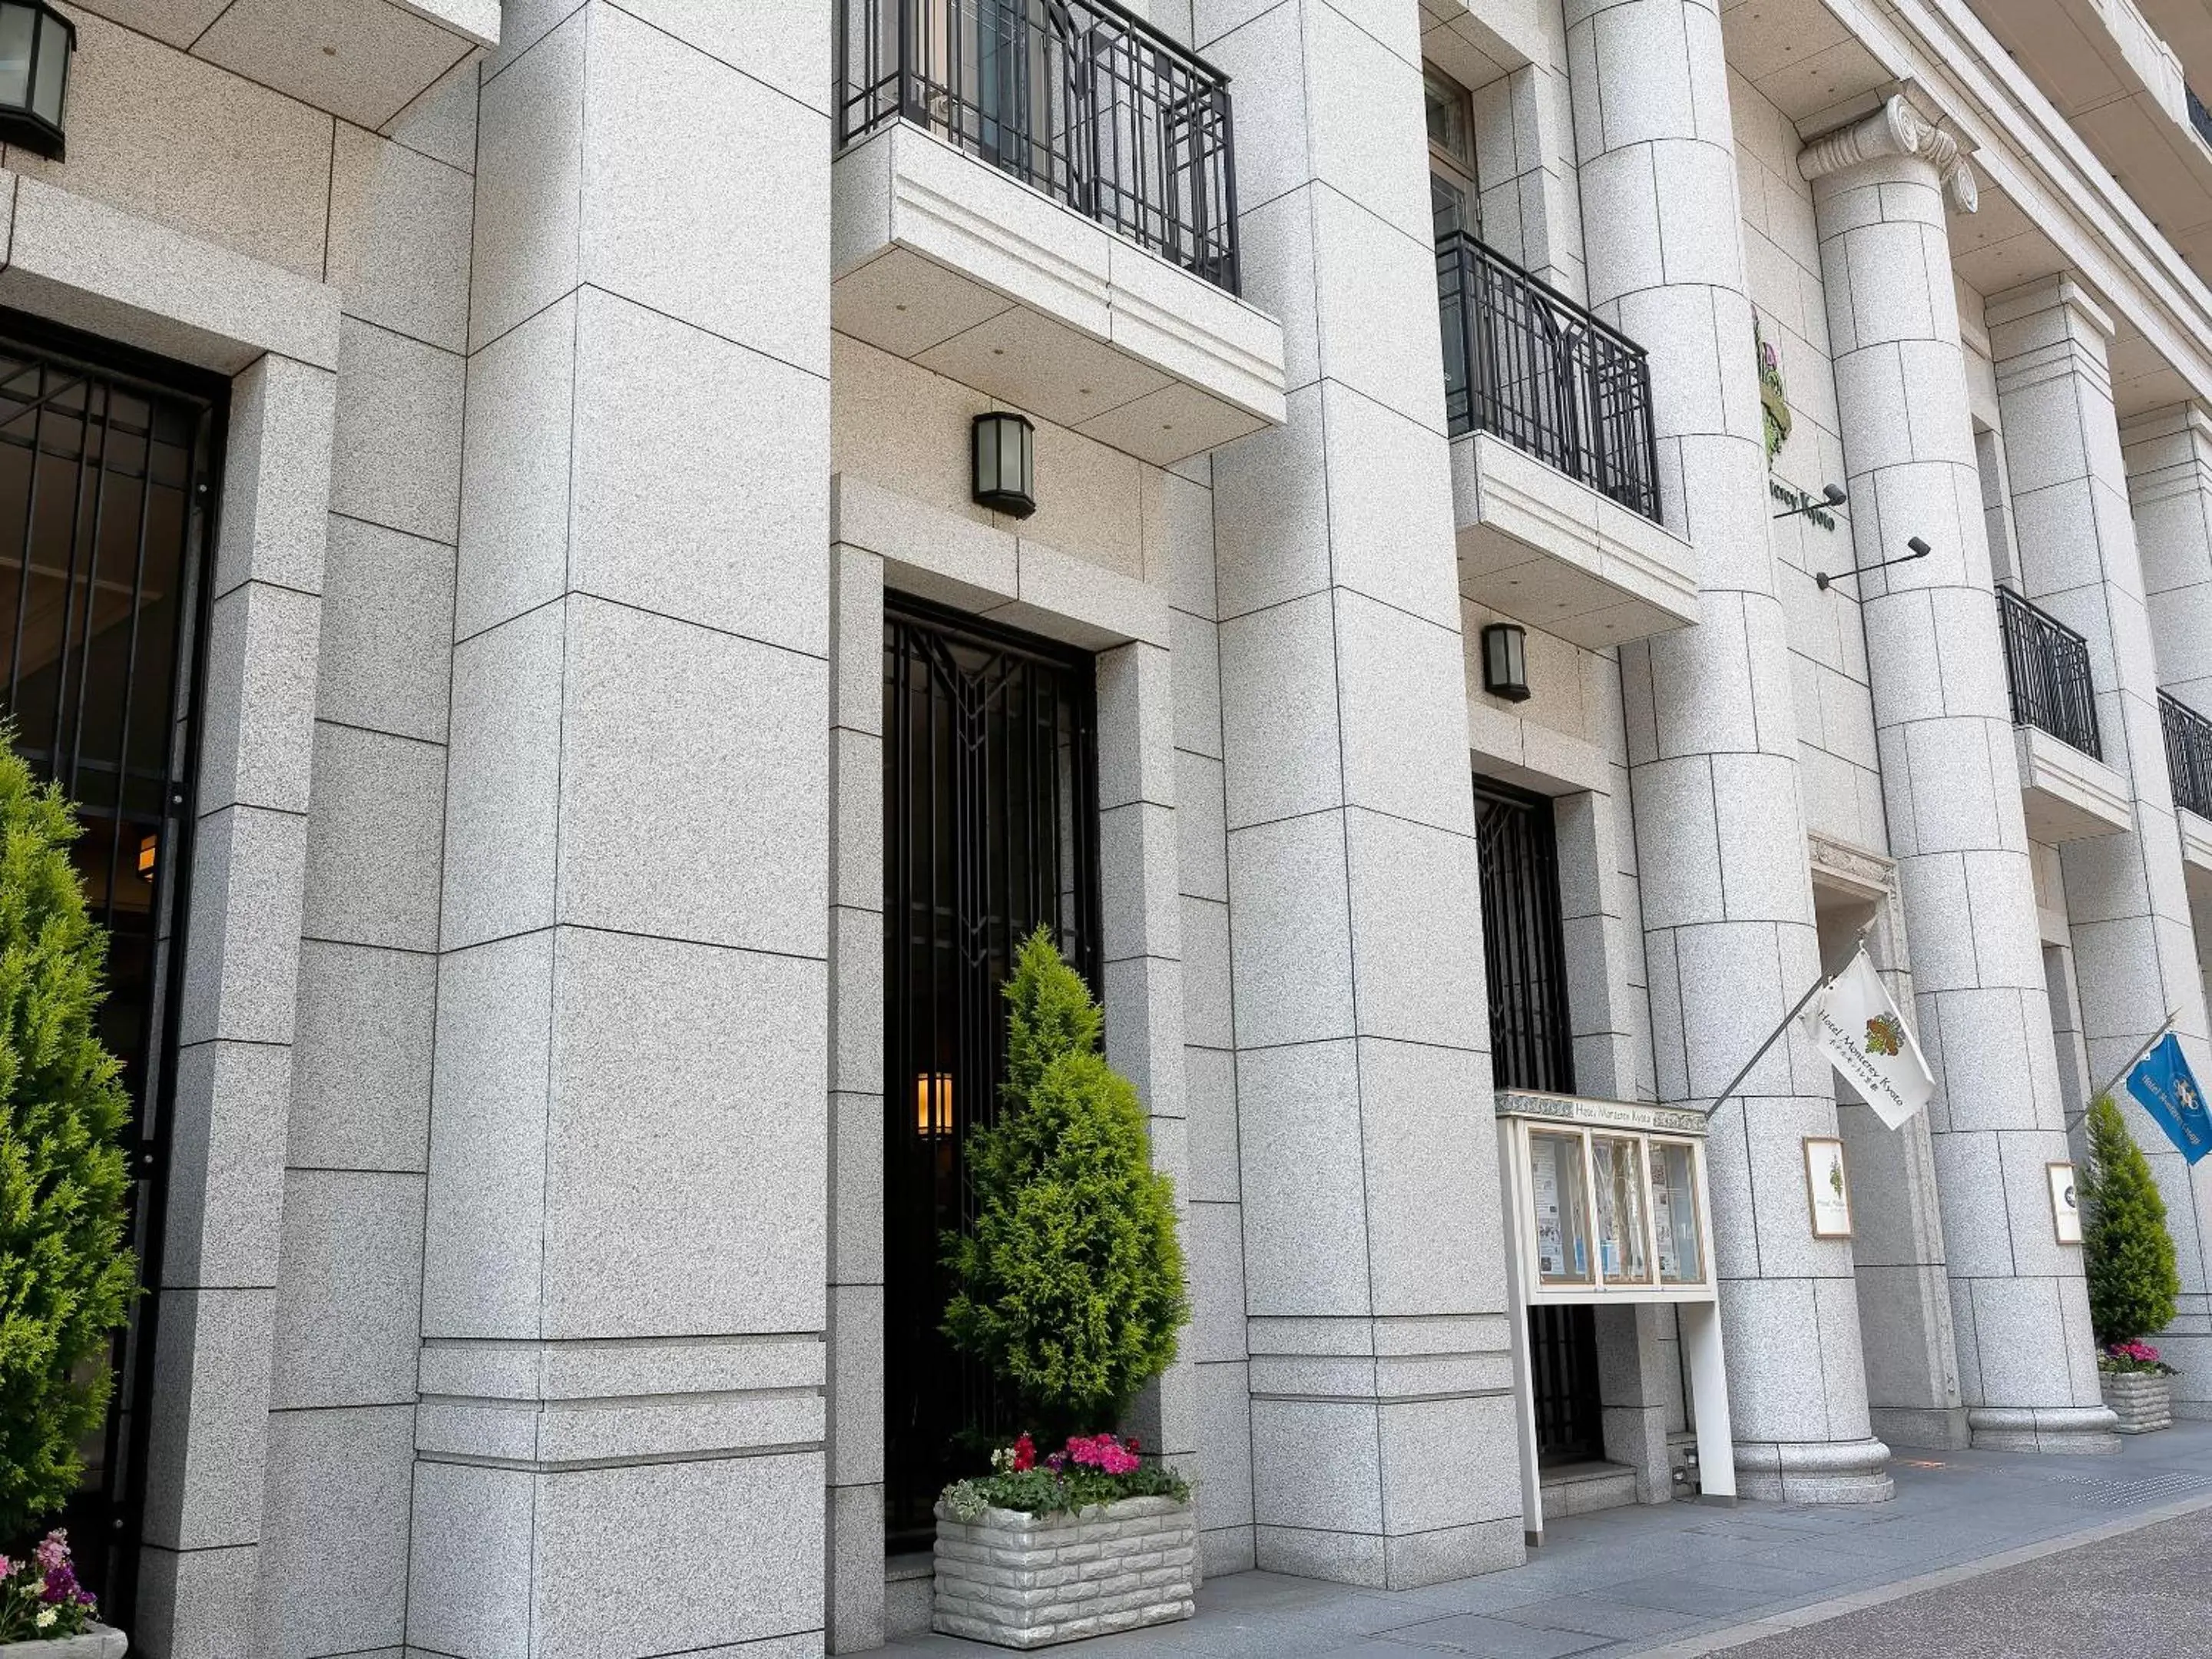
(1721, 1098)
(2123, 1070)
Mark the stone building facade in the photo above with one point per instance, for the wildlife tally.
(600, 751)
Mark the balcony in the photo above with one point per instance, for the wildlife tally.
(1037, 198)
(365, 61)
(2066, 790)
(1554, 470)
(2188, 755)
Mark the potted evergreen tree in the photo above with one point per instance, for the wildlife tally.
(65, 1276)
(1070, 1290)
(2133, 1282)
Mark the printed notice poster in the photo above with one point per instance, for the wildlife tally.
(1825, 1185)
(1551, 1250)
(1662, 1214)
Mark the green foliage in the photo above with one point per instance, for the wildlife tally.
(2129, 1256)
(1071, 1288)
(66, 1278)
(1047, 1491)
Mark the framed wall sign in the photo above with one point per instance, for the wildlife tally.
(2065, 1204)
(1827, 1188)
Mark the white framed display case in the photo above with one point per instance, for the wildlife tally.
(1607, 1201)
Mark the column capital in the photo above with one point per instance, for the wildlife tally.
(1895, 130)
(2059, 293)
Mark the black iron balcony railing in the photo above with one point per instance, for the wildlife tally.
(1526, 363)
(2048, 664)
(1075, 98)
(2199, 116)
(2188, 754)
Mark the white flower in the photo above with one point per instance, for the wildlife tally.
(47, 1617)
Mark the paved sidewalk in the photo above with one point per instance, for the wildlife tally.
(1682, 1579)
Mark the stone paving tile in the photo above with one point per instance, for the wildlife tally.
(1609, 1585)
(1598, 1615)
(1494, 1639)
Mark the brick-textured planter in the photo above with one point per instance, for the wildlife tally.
(1028, 1581)
(2143, 1401)
(100, 1642)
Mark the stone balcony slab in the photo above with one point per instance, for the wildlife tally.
(2068, 795)
(1557, 554)
(944, 260)
(2196, 852)
(361, 60)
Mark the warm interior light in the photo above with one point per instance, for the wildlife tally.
(147, 850)
(933, 1104)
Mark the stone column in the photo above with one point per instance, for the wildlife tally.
(1728, 904)
(2135, 953)
(2168, 455)
(624, 1300)
(1950, 782)
(1382, 1413)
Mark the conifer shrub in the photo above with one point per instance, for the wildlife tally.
(65, 1276)
(1070, 1287)
(2129, 1255)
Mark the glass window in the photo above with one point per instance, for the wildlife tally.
(1675, 1212)
(1618, 1164)
(1555, 1163)
(1449, 128)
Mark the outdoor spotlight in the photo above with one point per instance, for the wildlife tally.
(35, 44)
(1005, 464)
(1504, 661)
(1835, 493)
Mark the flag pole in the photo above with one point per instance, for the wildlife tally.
(2123, 1070)
(1720, 1099)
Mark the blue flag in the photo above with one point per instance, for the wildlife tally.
(2169, 1093)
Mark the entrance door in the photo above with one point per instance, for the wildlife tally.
(990, 815)
(1532, 1047)
(107, 463)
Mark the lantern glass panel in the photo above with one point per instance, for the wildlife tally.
(19, 26)
(47, 86)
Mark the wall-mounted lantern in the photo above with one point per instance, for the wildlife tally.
(1005, 464)
(35, 44)
(1504, 661)
(933, 1105)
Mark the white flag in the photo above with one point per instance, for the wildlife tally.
(1864, 1037)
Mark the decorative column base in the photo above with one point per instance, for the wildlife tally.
(1926, 1428)
(2078, 1429)
(1814, 1471)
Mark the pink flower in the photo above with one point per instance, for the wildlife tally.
(7, 1569)
(53, 1550)
(1105, 1452)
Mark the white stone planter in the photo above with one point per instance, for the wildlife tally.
(100, 1642)
(2143, 1400)
(1028, 1581)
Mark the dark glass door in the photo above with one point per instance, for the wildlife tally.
(106, 508)
(990, 804)
(1563, 1363)
(1532, 1047)
(1524, 948)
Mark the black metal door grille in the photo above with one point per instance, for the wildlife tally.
(106, 499)
(1563, 1362)
(1524, 948)
(990, 804)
